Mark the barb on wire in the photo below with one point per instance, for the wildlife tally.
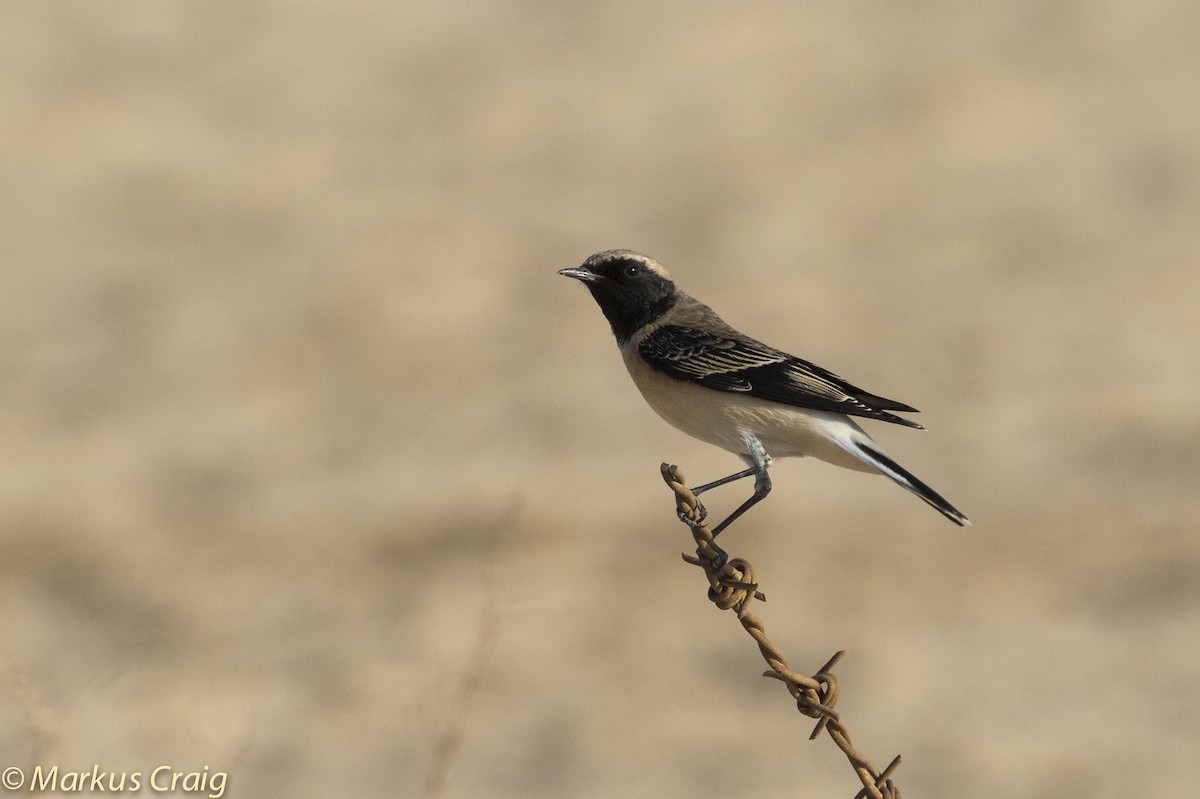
(732, 586)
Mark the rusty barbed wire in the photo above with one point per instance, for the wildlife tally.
(732, 586)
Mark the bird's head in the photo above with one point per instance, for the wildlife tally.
(631, 289)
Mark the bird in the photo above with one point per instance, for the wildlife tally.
(725, 388)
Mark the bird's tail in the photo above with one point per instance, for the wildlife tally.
(899, 474)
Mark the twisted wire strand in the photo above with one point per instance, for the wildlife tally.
(732, 585)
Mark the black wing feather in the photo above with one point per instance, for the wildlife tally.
(736, 363)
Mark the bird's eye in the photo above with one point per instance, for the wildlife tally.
(631, 270)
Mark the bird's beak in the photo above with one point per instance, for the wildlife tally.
(579, 273)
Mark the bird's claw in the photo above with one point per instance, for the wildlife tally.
(701, 515)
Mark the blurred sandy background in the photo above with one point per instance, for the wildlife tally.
(296, 415)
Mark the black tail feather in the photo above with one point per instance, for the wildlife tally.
(907, 479)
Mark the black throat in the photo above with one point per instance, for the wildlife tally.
(628, 314)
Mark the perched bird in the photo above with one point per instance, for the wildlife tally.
(723, 387)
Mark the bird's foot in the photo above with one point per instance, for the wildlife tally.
(701, 515)
(721, 557)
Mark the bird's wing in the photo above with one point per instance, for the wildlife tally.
(729, 361)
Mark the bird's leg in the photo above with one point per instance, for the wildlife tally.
(762, 487)
(696, 492)
(738, 476)
(762, 481)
